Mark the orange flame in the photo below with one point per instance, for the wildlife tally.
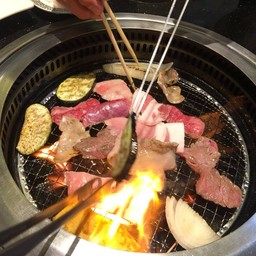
(131, 203)
(48, 153)
(128, 206)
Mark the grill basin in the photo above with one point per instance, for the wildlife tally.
(209, 80)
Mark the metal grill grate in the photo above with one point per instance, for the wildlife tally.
(179, 183)
(206, 86)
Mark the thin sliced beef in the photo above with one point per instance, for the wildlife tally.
(194, 127)
(151, 115)
(202, 154)
(78, 111)
(96, 147)
(106, 110)
(218, 188)
(202, 157)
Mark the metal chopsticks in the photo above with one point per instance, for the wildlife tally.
(20, 247)
(154, 54)
(129, 150)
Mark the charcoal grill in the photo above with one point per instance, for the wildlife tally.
(214, 71)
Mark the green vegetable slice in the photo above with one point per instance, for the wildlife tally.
(75, 87)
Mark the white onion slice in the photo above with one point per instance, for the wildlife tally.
(188, 228)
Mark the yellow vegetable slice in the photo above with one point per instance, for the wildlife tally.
(75, 87)
(188, 228)
(35, 130)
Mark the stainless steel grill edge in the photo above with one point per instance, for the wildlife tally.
(28, 48)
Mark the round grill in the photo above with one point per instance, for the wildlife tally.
(210, 83)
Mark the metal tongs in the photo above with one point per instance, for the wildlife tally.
(128, 143)
(82, 198)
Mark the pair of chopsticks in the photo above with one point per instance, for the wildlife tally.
(113, 40)
(81, 199)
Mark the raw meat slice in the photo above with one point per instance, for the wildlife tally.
(105, 111)
(202, 154)
(75, 180)
(96, 147)
(113, 89)
(151, 115)
(72, 132)
(202, 158)
(218, 188)
(78, 111)
(116, 124)
(194, 127)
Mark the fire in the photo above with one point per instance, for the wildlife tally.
(48, 153)
(131, 203)
(122, 214)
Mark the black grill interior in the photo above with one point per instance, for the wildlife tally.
(198, 68)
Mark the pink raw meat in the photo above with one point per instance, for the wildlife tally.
(105, 111)
(202, 157)
(202, 154)
(194, 126)
(78, 111)
(113, 89)
(75, 180)
(151, 114)
(218, 189)
(116, 124)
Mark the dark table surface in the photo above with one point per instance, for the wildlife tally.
(234, 19)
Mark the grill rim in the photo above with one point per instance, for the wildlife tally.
(220, 44)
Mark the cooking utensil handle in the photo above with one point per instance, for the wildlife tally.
(23, 246)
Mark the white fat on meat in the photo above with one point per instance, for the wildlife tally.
(113, 89)
(165, 132)
(151, 115)
(137, 99)
(161, 132)
(176, 133)
(72, 132)
(155, 155)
